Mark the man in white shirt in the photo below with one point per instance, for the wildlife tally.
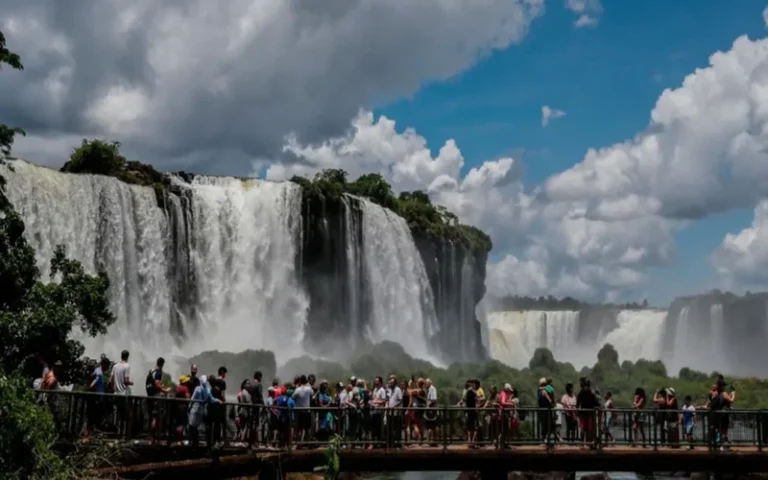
(430, 415)
(395, 415)
(379, 403)
(121, 385)
(121, 375)
(303, 396)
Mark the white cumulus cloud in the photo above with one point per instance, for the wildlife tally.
(548, 113)
(742, 258)
(589, 12)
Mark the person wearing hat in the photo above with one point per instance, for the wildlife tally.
(182, 393)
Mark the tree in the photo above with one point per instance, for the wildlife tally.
(96, 156)
(26, 434)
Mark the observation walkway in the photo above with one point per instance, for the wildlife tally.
(240, 440)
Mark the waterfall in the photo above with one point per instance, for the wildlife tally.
(402, 304)
(638, 334)
(717, 335)
(215, 271)
(466, 317)
(104, 224)
(515, 335)
(245, 247)
(354, 267)
(525, 331)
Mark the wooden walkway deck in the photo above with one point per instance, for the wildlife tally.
(232, 462)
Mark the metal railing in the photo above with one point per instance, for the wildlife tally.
(80, 415)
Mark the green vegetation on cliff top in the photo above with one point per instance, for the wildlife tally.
(104, 158)
(415, 207)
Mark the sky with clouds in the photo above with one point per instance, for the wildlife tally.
(612, 150)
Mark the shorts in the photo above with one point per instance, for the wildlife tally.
(587, 423)
(472, 420)
(304, 420)
(689, 429)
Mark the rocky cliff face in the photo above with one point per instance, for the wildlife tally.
(457, 277)
(334, 276)
(718, 329)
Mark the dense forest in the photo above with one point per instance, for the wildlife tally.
(515, 302)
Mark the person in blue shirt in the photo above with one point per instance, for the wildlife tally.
(327, 419)
(285, 405)
(95, 404)
(688, 420)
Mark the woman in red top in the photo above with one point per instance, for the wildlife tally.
(182, 393)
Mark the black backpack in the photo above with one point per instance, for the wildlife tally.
(151, 388)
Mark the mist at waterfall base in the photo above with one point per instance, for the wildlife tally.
(218, 266)
(679, 337)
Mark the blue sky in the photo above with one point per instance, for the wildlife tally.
(607, 78)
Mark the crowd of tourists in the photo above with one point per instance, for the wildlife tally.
(396, 412)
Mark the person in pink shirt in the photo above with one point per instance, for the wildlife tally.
(571, 419)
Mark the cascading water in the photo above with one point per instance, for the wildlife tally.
(515, 335)
(215, 271)
(717, 335)
(244, 257)
(104, 224)
(638, 334)
(402, 307)
(466, 309)
(354, 270)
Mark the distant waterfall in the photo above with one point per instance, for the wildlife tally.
(216, 270)
(402, 307)
(515, 335)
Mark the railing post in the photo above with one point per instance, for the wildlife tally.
(760, 418)
(445, 429)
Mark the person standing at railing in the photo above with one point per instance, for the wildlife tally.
(394, 417)
(673, 419)
(719, 403)
(609, 416)
(587, 403)
(201, 398)
(302, 397)
(660, 415)
(155, 389)
(121, 382)
(431, 413)
(571, 421)
(545, 402)
(639, 404)
(688, 420)
(285, 405)
(95, 404)
(244, 412)
(470, 403)
(182, 393)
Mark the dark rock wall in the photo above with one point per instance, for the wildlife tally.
(457, 277)
(339, 304)
(736, 346)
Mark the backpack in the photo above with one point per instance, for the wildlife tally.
(151, 388)
(282, 402)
